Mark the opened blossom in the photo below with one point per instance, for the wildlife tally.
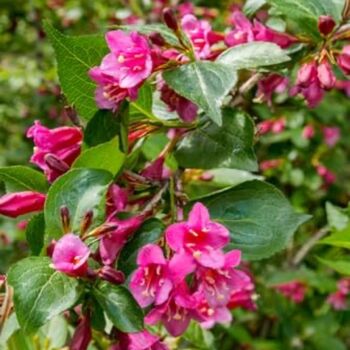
(344, 60)
(21, 203)
(199, 237)
(70, 256)
(55, 149)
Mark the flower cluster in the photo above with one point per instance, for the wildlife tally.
(196, 255)
(338, 299)
(294, 290)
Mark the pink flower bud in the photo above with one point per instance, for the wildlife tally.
(111, 275)
(278, 125)
(82, 335)
(70, 256)
(20, 203)
(307, 74)
(325, 75)
(157, 39)
(331, 135)
(344, 60)
(308, 132)
(326, 25)
(170, 19)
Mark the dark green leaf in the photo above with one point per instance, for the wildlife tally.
(81, 190)
(251, 6)
(149, 232)
(339, 239)
(120, 307)
(105, 156)
(228, 146)
(75, 56)
(21, 178)
(142, 107)
(40, 292)
(259, 217)
(253, 55)
(204, 83)
(35, 232)
(341, 266)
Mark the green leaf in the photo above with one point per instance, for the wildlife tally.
(251, 6)
(305, 14)
(81, 190)
(199, 337)
(120, 307)
(21, 178)
(40, 292)
(149, 232)
(105, 156)
(75, 56)
(340, 266)
(337, 218)
(339, 239)
(260, 219)
(228, 146)
(253, 55)
(35, 232)
(148, 29)
(204, 83)
(143, 105)
(102, 127)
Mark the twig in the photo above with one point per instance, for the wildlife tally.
(154, 201)
(304, 250)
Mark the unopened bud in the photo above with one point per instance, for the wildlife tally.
(157, 39)
(111, 275)
(50, 248)
(326, 25)
(65, 218)
(170, 19)
(325, 75)
(86, 222)
(103, 229)
(55, 163)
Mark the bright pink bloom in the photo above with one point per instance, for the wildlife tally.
(218, 284)
(138, 341)
(187, 8)
(156, 170)
(338, 300)
(186, 110)
(326, 24)
(176, 313)
(198, 32)
(331, 135)
(112, 243)
(344, 60)
(325, 75)
(208, 315)
(71, 255)
(199, 237)
(20, 203)
(270, 164)
(130, 60)
(55, 149)
(117, 200)
(82, 335)
(307, 74)
(151, 282)
(294, 290)
(308, 132)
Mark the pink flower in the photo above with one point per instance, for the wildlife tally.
(325, 75)
(20, 203)
(344, 285)
(70, 256)
(307, 74)
(138, 341)
(186, 110)
(270, 84)
(294, 290)
(198, 32)
(112, 243)
(82, 335)
(270, 164)
(218, 284)
(308, 132)
(278, 125)
(265, 126)
(55, 149)
(331, 135)
(199, 237)
(328, 176)
(117, 200)
(156, 170)
(176, 313)
(344, 60)
(151, 282)
(243, 298)
(187, 8)
(130, 60)
(338, 300)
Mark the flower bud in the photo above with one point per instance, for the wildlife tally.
(170, 19)
(82, 335)
(325, 75)
(344, 60)
(157, 39)
(55, 163)
(326, 25)
(111, 275)
(86, 222)
(65, 218)
(307, 74)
